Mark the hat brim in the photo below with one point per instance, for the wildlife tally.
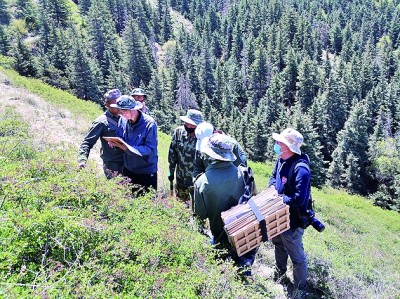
(137, 107)
(293, 148)
(189, 121)
(204, 148)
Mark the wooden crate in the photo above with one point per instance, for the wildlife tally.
(243, 228)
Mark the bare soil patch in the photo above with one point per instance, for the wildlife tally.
(50, 125)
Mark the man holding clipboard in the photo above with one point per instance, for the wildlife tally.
(137, 137)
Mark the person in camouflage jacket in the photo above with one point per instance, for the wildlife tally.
(181, 154)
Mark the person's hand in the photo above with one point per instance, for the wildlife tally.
(82, 165)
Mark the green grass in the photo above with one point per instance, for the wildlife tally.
(360, 245)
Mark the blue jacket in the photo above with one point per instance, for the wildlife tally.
(296, 193)
(142, 136)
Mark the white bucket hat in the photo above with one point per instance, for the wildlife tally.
(203, 130)
(291, 138)
(218, 147)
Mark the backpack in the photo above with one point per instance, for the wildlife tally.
(306, 217)
(250, 188)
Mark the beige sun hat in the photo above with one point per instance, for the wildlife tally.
(291, 138)
(218, 147)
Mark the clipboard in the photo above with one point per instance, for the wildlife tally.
(121, 141)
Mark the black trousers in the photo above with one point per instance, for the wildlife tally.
(141, 182)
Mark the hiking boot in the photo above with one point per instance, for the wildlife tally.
(280, 276)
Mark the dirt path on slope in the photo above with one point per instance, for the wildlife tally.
(49, 124)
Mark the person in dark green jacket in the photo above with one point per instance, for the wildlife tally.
(219, 189)
(104, 126)
(200, 164)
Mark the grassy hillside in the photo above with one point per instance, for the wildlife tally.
(69, 234)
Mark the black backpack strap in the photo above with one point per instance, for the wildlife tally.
(248, 180)
(300, 163)
(260, 218)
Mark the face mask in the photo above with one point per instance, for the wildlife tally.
(277, 149)
(189, 130)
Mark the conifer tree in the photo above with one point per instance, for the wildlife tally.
(26, 11)
(163, 112)
(289, 77)
(103, 38)
(352, 148)
(5, 44)
(207, 79)
(24, 62)
(259, 75)
(57, 11)
(137, 56)
(184, 97)
(4, 14)
(257, 135)
(83, 80)
(166, 28)
(307, 84)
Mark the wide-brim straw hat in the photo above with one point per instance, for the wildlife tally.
(291, 138)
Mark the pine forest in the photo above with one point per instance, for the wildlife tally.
(329, 68)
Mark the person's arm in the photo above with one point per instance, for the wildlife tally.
(198, 165)
(301, 185)
(89, 141)
(199, 205)
(272, 179)
(240, 155)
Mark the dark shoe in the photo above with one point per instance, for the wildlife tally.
(300, 294)
(279, 276)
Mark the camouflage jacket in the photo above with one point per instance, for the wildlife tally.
(181, 155)
(104, 126)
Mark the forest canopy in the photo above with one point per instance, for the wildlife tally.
(329, 68)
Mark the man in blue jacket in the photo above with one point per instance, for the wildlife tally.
(139, 132)
(295, 190)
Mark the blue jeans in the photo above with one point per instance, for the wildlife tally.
(290, 243)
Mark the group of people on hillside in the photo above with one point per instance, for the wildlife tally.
(203, 162)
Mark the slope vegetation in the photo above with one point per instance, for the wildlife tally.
(72, 234)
